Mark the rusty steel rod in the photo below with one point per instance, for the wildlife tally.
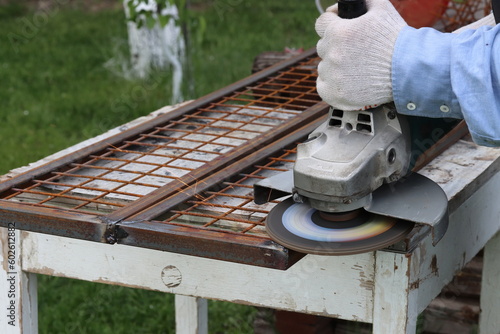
(214, 172)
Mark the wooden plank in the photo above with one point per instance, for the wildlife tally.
(462, 169)
(331, 286)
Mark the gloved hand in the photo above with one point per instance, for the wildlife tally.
(488, 20)
(355, 71)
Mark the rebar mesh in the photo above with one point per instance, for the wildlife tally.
(138, 166)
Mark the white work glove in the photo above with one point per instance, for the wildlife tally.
(488, 20)
(355, 71)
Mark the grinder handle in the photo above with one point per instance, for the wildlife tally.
(350, 9)
(495, 6)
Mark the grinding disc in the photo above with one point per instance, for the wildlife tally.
(302, 228)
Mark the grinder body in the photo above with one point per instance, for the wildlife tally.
(349, 156)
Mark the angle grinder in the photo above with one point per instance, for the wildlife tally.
(351, 189)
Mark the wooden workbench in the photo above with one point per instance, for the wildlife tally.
(387, 289)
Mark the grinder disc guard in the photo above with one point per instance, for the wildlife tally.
(300, 227)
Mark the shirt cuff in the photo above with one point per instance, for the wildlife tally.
(420, 76)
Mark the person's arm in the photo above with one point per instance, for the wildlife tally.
(450, 75)
(377, 58)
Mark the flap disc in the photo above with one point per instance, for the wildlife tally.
(302, 228)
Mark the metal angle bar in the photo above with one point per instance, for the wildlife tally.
(210, 244)
(52, 221)
(216, 217)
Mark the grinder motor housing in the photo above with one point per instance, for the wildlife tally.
(349, 156)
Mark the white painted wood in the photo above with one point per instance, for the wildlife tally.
(489, 320)
(360, 287)
(29, 302)
(461, 168)
(393, 309)
(330, 286)
(191, 315)
(18, 289)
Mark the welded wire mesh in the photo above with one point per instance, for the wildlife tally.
(140, 165)
(462, 12)
(231, 207)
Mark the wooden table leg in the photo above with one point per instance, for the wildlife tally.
(489, 320)
(394, 306)
(18, 289)
(191, 315)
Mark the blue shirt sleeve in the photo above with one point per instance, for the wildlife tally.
(453, 75)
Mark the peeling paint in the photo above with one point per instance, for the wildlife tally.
(3, 238)
(415, 285)
(365, 282)
(434, 266)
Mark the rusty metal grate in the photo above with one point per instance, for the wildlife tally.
(135, 167)
(231, 208)
(463, 12)
(182, 181)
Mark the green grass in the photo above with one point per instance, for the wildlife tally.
(70, 306)
(56, 91)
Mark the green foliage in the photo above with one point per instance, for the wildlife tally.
(70, 306)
